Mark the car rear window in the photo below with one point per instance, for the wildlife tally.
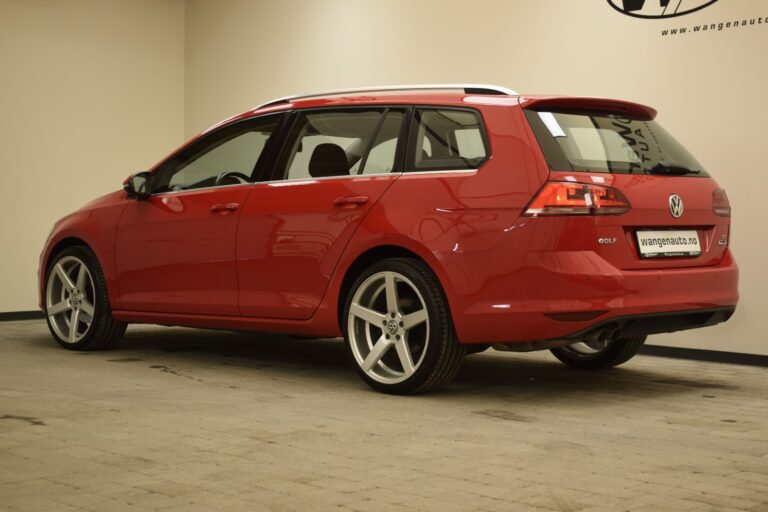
(447, 139)
(609, 143)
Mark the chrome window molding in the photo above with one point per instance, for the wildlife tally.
(201, 189)
(446, 171)
(349, 176)
(299, 181)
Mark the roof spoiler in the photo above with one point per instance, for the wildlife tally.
(592, 105)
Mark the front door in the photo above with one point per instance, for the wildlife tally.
(175, 252)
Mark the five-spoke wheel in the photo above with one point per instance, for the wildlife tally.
(70, 299)
(398, 328)
(76, 302)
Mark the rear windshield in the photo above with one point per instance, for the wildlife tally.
(609, 143)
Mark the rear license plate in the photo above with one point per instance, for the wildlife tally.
(667, 244)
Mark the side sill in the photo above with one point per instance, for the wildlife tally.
(241, 323)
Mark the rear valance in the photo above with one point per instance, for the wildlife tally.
(589, 105)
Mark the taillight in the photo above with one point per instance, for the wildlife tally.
(569, 198)
(720, 204)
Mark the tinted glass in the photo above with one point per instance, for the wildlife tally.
(328, 143)
(447, 139)
(609, 143)
(234, 150)
(383, 152)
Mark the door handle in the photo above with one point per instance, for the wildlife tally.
(351, 201)
(225, 207)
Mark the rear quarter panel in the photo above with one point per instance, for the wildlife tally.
(462, 223)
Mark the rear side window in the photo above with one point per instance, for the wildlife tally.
(334, 142)
(609, 143)
(447, 139)
(382, 156)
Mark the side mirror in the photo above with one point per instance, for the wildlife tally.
(137, 186)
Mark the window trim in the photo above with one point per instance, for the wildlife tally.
(259, 166)
(309, 181)
(199, 189)
(409, 165)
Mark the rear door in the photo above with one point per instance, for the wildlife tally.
(334, 166)
(672, 221)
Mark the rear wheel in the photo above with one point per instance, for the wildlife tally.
(398, 328)
(595, 355)
(76, 302)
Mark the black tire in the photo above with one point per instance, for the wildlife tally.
(616, 353)
(103, 331)
(441, 355)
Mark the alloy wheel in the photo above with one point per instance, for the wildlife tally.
(70, 299)
(388, 327)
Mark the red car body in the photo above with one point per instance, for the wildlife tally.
(279, 256)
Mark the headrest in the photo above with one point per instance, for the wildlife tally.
(328, 160)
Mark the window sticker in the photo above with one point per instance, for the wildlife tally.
(548, 118)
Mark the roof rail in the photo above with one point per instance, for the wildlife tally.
(467, 88)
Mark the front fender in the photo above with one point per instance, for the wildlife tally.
(94, 225)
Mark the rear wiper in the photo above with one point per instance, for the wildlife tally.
(671, 169)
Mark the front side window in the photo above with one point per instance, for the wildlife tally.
(228, 156)
(447, 139)
(331, 143)
(599, 142)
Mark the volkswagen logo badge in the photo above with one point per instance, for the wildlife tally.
(676, 205)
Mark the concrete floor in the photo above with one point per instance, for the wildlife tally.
(187, 420)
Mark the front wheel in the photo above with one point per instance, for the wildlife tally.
(598, 354)
(398, 328)
(76, 302)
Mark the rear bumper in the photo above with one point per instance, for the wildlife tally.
(656, 323)
(572, 295)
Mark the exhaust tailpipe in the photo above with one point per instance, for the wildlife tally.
(605, 335)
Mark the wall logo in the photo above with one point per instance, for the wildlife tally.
(676, 206)
(656, 9)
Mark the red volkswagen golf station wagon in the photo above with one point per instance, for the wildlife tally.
(421, 223)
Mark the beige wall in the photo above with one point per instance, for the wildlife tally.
(90, 91)
(709, 87)
(69, 68)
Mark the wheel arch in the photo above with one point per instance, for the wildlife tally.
(52, 250)
(65, 243)
(55, 248)
(369, 257)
